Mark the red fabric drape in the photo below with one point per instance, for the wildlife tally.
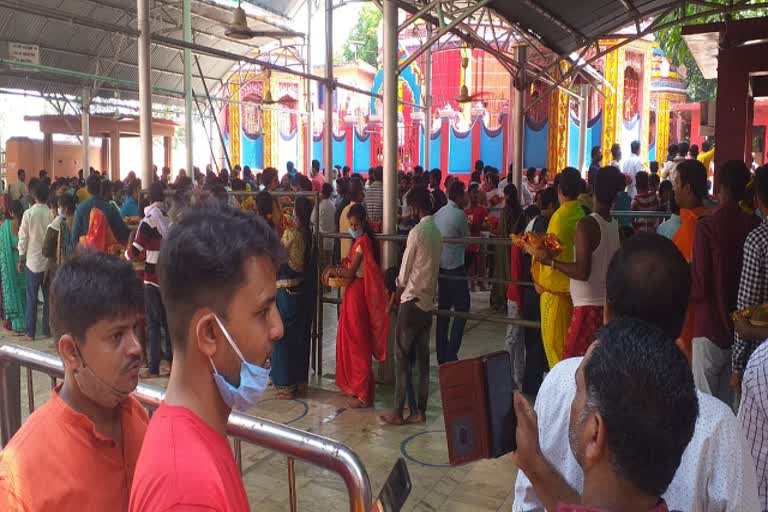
(99, 237)
(375, 299)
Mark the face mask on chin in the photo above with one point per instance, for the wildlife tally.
(93, 387)
(253, 379)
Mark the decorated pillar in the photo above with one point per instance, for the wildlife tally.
(557, 143)
(662, 127)
(612, 113)
(349, 136)
(234, 121)
(269, 124)
(645, 105)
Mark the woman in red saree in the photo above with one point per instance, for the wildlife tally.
(363, 322)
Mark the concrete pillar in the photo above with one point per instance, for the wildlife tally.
(167, 151)
(188, 135)
(48, 153)
(114, 155)
(145, 92)
(389, 132)
(106, 169)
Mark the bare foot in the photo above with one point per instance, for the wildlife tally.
(356, 403)
(416, 418)
(392, 419)
(27, 338)
(284, 395)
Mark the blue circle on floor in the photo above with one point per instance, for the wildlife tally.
(404, 449)
(300, 416)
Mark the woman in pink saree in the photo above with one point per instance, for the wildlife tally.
(364, 322)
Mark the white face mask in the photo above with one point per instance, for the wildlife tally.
(61, 212)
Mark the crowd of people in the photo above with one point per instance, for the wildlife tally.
(637, 368)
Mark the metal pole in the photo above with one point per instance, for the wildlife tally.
(309, 85)
(85, 121)
(517, 122)
(213, 113)
(188, 136)
(291, 484)
(328, 130)
(10, 399)
(389, 135)
(145, 92)
(428, 101)
(583, 119)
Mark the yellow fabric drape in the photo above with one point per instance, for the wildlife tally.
(556, 305)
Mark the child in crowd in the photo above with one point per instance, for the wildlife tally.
(477, 218)
(646, 200)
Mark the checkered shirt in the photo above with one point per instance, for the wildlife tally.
(754, 417)
(753, 288)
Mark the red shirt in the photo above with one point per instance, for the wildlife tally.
(58, 461)
(317, 183)
(185, 465)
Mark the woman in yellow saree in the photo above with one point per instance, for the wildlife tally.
(554, 287)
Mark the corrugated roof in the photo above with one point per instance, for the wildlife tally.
(98, 37)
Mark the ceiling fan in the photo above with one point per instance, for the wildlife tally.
(464, 96)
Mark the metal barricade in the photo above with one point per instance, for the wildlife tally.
(293, 443)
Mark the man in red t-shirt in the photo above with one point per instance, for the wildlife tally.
(217, 272)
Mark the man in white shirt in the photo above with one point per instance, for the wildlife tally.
(632, 166)
(34, 223)
(416, 294)
(452, 293)
(327, 212)
(18, 190)
(648, 279)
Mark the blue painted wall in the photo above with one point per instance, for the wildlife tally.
(535, 146)
(460, 152)
(252, 151)
(434, 158)
(339, 152)
(492, 147)
(317, 150)
(573, 142)
(361, 153)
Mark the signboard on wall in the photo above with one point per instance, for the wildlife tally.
(24, 53)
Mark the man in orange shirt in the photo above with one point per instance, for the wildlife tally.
(690, 184)
(79, 450)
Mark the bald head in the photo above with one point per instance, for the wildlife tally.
(648, 279)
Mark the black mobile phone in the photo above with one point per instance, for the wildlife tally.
(396, 489)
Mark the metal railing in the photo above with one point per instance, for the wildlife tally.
(293, 443)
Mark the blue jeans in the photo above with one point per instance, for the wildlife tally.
(36, 281)
(451, 294)
(156, 325)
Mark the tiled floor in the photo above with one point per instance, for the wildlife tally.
(481, 486)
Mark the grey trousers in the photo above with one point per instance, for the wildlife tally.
(711, 367)
(413, 327)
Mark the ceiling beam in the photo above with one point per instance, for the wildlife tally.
(94, 56)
